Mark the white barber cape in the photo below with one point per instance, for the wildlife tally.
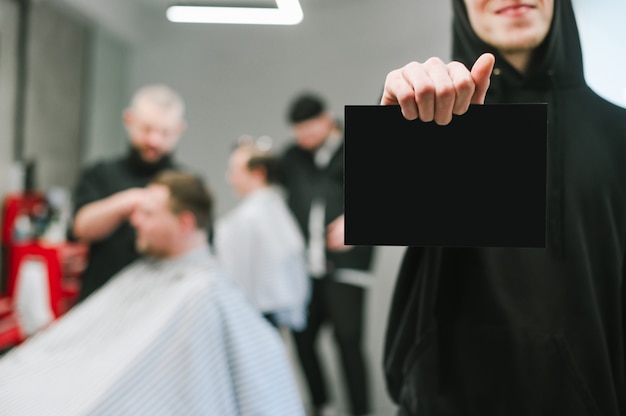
(163, 337)
(260, 245)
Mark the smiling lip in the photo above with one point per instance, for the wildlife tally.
(514, 10)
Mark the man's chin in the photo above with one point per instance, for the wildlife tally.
(147, 250)
(141, 248)
(151, 158)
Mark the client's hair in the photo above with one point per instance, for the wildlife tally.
(188, 192)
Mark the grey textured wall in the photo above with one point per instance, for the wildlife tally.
(57, 51)
(107, 96)
(8, 80)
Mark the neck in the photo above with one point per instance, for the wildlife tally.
(520, 60)
(192, 242)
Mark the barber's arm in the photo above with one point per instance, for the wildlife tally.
(434, 90)
(98, 219)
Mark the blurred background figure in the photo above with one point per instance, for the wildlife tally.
(107, 191)
(259, 242)
(312, 176)
(170, 334)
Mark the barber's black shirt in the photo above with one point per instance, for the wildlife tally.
(101, 180)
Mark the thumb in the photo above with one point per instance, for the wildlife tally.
(481, 71)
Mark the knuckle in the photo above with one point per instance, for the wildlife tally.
(405, 96)
(425, 91)
(434, 61)
(464, 83)
(411, 65)
(446, 92)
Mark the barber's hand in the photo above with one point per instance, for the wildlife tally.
(335, 234)
(127, 200)
(99, 219)
(434, 90)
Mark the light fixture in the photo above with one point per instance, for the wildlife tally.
(286, 12)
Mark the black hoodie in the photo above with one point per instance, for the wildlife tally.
(521, 331)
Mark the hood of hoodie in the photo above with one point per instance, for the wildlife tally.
(557, 66)
(558, 62)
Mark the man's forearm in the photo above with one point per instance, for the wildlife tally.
(99, 219)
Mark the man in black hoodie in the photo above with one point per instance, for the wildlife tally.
(107, 191)
(518, 331)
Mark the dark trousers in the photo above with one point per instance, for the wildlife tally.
(340, 305)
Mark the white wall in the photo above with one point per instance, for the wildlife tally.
(603, 38)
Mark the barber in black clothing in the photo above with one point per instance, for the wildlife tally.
(312, 175)
(107, 191)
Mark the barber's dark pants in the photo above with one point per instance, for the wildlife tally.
(340, 305)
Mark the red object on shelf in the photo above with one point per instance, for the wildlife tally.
(64, 264)
(14, 204)
(10, 332)
(6, 306)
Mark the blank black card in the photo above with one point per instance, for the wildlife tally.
(479, 181)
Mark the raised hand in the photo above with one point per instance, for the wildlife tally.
(434, 90)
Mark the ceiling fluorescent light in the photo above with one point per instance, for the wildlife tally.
(287, 12)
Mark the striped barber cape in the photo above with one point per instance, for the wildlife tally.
(163, 337)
